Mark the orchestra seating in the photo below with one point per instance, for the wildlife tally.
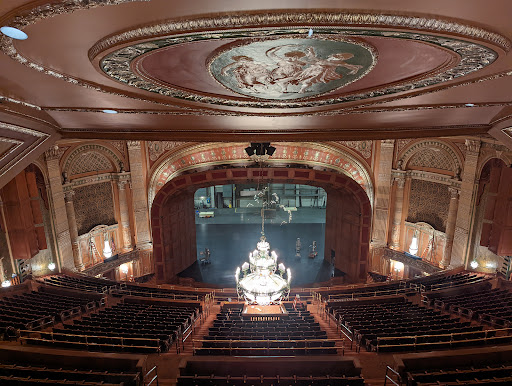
(25, 366)
(38, 309)
(395, 324)
(127, 327)
(320, 370)
(491, 366)
(493, 306)
(82, 283)
(294, 333)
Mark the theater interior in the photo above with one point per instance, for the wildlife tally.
(363, 147)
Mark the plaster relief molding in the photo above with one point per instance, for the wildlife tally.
(68, 195)
(210, 155)
(157, 148)
(119, 64)
(434, 177)
(363, 147)
(133, 145)
(91, 147)
(13, 134)
(473, 146)
(97, 178)
(18, 102)
(98, 230)
(25, 16)
(432, 144)
(426, 228)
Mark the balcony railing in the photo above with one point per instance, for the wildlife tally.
(407, 259)
(113, 262)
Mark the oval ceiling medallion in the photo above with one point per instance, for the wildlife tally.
(284, 69)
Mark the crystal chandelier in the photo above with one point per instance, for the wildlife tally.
(258, 281)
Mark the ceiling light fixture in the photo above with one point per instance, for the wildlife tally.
(310, 33)
(470, 105)
(13, 33)
(107, 111)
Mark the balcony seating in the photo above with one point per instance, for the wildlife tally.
(295, 333)
(18, 366)
(82, 283)
(397, 325)
(128, 327)
(488, 366)
(320, 370)
(442, 281)
(38, 309)
(493, 306)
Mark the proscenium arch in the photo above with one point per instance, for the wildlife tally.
(348, 216)
(330, 156)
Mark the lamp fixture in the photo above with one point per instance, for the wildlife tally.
(262, 285)
(6, 283)
(51, 266)
(474, 264)
(109, 111)
(13, 33)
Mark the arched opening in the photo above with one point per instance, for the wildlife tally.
(348, 217)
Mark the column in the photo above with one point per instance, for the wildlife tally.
(73, 230)
(125, 217)
(139, 197)
(450, 226)
(397, 215)
(464, 212)
(382, 190)
(60, 217)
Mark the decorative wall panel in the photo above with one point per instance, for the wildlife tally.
(432, 158)
(429, 202)
(90, 162)
(94, 206)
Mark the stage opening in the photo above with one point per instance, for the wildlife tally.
(229, 224)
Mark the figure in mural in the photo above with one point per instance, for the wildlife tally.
(289, 66)
(324, 70)
(248, 73)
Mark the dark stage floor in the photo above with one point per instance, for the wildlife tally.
(230, 245)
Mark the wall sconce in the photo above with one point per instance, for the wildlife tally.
(474, 264)
(51, 266)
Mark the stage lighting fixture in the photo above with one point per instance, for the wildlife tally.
(260, 151)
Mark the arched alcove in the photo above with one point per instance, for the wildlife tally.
(348, 218)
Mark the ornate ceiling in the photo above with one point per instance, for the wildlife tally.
(279, 71)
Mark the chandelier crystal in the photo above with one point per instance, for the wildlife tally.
(258, 281)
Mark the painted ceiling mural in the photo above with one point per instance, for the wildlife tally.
(327, 156)
(290, 68)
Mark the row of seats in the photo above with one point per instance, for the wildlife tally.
(126, 327)
(388, 322)
(490, 305)
(203, 380)
(38, 309)
(135, 290)
(84, 283)
(294, 333)
(497, 374)
(11, 373)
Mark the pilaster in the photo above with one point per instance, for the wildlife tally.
(125, 217)
(73, 230)
(464, 212)
(450, 226)
(139, 198)
(60, 218)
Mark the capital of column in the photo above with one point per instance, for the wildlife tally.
(387, 142)
(121, 184)
(473, 145)
(68, 196)
(53, 153)
(454, 192)
(132, 145)
(400, 180)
